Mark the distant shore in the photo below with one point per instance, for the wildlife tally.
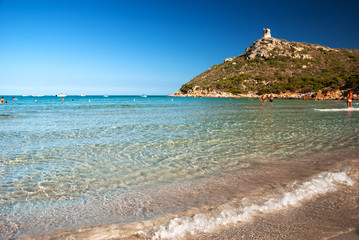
(320, 95)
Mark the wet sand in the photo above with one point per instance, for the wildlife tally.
(353, 235)
(334, 216)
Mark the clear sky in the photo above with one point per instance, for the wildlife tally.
(148, 46)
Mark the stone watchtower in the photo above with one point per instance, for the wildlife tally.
(266, 33)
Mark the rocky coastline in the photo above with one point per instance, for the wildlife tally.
(326, 94)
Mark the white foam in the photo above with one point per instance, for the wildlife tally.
(178, 227)
(336, 109)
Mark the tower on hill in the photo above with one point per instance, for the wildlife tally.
(266, 33)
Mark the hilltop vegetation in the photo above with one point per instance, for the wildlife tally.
(276, 66)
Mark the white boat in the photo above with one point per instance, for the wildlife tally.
(61, 95)
(143, 95)
(25, 95)
(105, 95)
(82, 95)
(37, 95)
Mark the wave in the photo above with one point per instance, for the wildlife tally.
(241, 211)
(336, 109)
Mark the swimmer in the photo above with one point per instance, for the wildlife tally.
(349, 99)
(2, 100)
(263, 98)
(271, 98)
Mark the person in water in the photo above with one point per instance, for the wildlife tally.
(2, 100)
(263, 98)
(271, 98)
(349, 99)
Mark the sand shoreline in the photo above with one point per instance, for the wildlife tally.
(351, 235)
(332, 216)
(325, 216)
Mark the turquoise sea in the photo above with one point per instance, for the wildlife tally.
(102, 161)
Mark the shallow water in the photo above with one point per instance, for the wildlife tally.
(78, 163)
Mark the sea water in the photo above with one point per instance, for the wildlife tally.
(94, 160)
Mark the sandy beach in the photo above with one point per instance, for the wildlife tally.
(333, 215)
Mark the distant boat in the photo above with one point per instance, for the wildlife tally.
(82, 95)
(25, 95)
(105, 95)
(61, 95)
(143, 95)
(37, 95)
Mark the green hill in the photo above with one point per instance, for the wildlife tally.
(277, 66)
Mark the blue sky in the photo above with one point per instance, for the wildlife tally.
(153, 47)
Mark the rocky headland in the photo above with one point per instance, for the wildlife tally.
(282, 68)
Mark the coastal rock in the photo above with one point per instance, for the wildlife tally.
(329, 94)
(272, 47)
(320, 95)
(229, 59)
(197, 92)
